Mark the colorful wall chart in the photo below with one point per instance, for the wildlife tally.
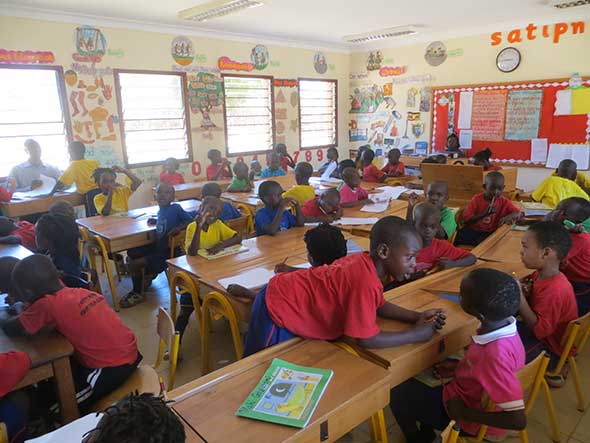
(523, 114)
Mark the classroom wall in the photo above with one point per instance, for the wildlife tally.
(132, 49)
(469, 60)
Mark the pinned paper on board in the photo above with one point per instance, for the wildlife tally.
(465, 110)
(539, 150)
(466, 138)
(580, 153)
(572, 101)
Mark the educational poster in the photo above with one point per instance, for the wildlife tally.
(205, 96)
(366, 99)
(523, 114)
(488, 114)
(465, 110)
(578, 152)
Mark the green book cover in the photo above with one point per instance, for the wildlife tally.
(287, 394)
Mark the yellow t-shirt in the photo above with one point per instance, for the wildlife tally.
(80, 172)
(582, 180)
(555, 189)
(120, 202)
(301, 193)
(217, 232)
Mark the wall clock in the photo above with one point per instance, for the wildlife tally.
(508, 59)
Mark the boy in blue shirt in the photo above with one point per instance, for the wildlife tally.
(229, 211)
(171, 220)
(274, 167)
(275, 217)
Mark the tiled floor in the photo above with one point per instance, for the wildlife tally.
(575, 425)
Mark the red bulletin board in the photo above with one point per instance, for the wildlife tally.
(556, 129)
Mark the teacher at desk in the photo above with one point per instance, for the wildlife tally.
(453, 149)
(27, 175)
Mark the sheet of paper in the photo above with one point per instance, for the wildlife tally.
(581, 155)
(347, 221)
(44, 189)
(581, 101)
(331, 168)
(577, 152)
(257, 184)
(376, 207)
(352, 247)
(563, 102)
(465, 109)
(73, 431)
(539, 150)
(465, 138)
(252, 279)
(393, 192)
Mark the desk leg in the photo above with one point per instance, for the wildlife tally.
(65, 389)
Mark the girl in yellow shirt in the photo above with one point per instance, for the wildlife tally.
(114, 197)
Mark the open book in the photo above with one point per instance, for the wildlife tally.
(287, 394)
(235, 249)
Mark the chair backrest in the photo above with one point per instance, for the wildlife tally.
(240, 225)
(451, 433)
(3, 433)
(574, 339)
(176, 241)
(247, 213)
(165, 327)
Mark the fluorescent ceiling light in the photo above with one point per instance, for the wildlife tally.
(561, 4)
(398, 31)
(218, 8)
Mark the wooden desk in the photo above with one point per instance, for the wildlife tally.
(396, 207)
(406, 361)
(50, 357)
(506, 250)
(243, 198)
(18, 208)
(193, 190)
(122, 233)
(17, 251)
(357, 390)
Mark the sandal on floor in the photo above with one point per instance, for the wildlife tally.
(555, 381)
(131, 299)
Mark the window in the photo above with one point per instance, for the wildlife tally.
(249, 125)
(154, 121)
(31, 106)
(318, 127)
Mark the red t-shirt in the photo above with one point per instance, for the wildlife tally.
(347, 194)
(372, 173)
(312, 209)
(478, 206)
(5, 195)
(576, 266)
(554, 302)
(14, 366)
(97, 333)
(26, 233)
(428, 256)
(392, 169)
(329, 301)
(212, 170)
(171, 179)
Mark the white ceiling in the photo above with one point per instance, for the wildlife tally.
(308, 23)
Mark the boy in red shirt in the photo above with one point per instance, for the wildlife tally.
(14, 405)
(19, 233)
(486, 212)
(547, 302)
(220, 168)
(105, 350)
(572, 212)
(488, 368)
(436, 253)
(394, 167)
(325, 208)
(286, 160)
(351, 193)
(372, 173)
(344, 298)
(170, 173)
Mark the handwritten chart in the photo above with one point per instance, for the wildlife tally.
(523, 114)
(488, 115)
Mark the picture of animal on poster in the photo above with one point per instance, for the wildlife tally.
(259, 57)
(374, 61)
(319, 63)
(90, 44)
(182, 51)
(205, 96)
(366, 99)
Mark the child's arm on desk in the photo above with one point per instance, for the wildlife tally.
(446, 263)
(235, 240)
(457, 410)
(10, 240)
(11, 325)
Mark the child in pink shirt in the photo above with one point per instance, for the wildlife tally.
(351, 193)
(489, 367)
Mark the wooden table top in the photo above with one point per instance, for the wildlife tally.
(193, 189)
(210, 403)
(17, 251)
(42, 348)
(18, 208)
(506, 250)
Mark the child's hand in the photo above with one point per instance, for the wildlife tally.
(526, 285)
(413, 199)
(436, 317)
(287, 201)
(491, 210)
(240, 292)
(455, 408)
(510, 218)
(215, 249)
(36, 184)
(152, 221)
(282, 267)
(445, 263)
(445, 369)
(118, 169)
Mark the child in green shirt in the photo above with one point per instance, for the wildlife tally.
(437, 194)
(241, 180)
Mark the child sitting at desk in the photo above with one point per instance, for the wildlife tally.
(241, 181)
(394, 168)
(323, 209)
(547, 302)
(65, 208)
(486, 212)
(285, 159)
(372, 173)
(229, 212)
(274, 167)
(170, 173)
(302, 192)
(437, 194)
(275, 216)
(58, 237)
(436, 253)
(220, 168)
(488, 368)
(105, 350)
(6, 192)
(255, 169)
(351, 192)
(344, 298)
(14, 405)
(558, 187)
(330, 168)
(482, 158)
(572, 213)
(17, 233)
(581, 179)
(114, 198)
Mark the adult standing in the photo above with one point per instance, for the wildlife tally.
(27, 175)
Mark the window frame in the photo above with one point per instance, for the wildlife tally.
(335, 81)
(61, 93)
(270, 78)
(187, 116)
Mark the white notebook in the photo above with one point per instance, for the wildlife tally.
(252, 279)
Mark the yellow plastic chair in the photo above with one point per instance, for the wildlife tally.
(216, 305)
(3, 433)
(104, 253)
(451, 433)
(176, 241)
(240, 225)
(531, 376)
(182, 283)
(169, 338)
(246, 211)
(88, 247)
(377, 421)
(574, 341)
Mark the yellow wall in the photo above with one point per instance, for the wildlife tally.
(151, 51)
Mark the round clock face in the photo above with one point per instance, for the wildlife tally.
(508, 59)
